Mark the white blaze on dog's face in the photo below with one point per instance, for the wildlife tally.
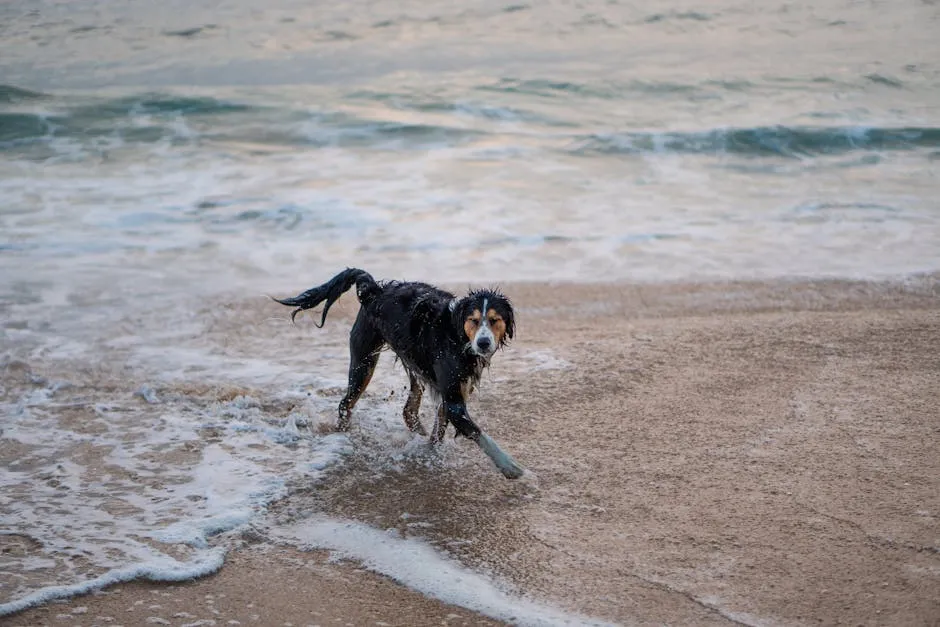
(486, 329)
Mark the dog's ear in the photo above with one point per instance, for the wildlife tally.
(509, 318)
(458, 312)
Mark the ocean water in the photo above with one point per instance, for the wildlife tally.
(162, 166)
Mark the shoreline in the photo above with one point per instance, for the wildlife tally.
(294, 586)
(720, 438)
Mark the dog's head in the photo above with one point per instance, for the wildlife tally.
(486, 319)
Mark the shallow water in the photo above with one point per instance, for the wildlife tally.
(159, 167)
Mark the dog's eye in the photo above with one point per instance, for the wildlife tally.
(473, 321)
(493, 321)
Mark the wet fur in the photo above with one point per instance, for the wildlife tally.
(426, 327)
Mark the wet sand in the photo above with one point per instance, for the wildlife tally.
(278, 586)
(750, 453)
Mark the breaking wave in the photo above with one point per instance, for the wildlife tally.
(763, 141)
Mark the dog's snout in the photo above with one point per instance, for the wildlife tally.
(484, 343)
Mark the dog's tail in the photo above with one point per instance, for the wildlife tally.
(366, 289)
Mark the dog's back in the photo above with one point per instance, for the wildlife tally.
(416, 322)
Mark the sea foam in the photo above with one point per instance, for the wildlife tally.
(419, 566)
(161, 568)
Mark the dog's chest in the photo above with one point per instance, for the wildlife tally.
(441, 371)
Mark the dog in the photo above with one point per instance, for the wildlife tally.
(444, 343)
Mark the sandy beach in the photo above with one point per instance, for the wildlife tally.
(757, 453)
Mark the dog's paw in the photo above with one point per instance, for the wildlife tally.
(512, 470)
(503, 460)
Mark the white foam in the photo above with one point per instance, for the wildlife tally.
(543, 359)
(68, 510)
(420, 567)
(161, 568)
(196, 532)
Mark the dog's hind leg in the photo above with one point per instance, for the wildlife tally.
(365, 342)
(412, 405)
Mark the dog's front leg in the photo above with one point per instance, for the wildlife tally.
(456, 413)
(440, 426)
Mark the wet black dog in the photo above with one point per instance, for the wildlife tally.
(443, 341)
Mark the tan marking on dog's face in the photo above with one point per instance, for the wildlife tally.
(472, 323)
(497, 325)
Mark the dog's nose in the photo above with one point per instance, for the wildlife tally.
(484, 343)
